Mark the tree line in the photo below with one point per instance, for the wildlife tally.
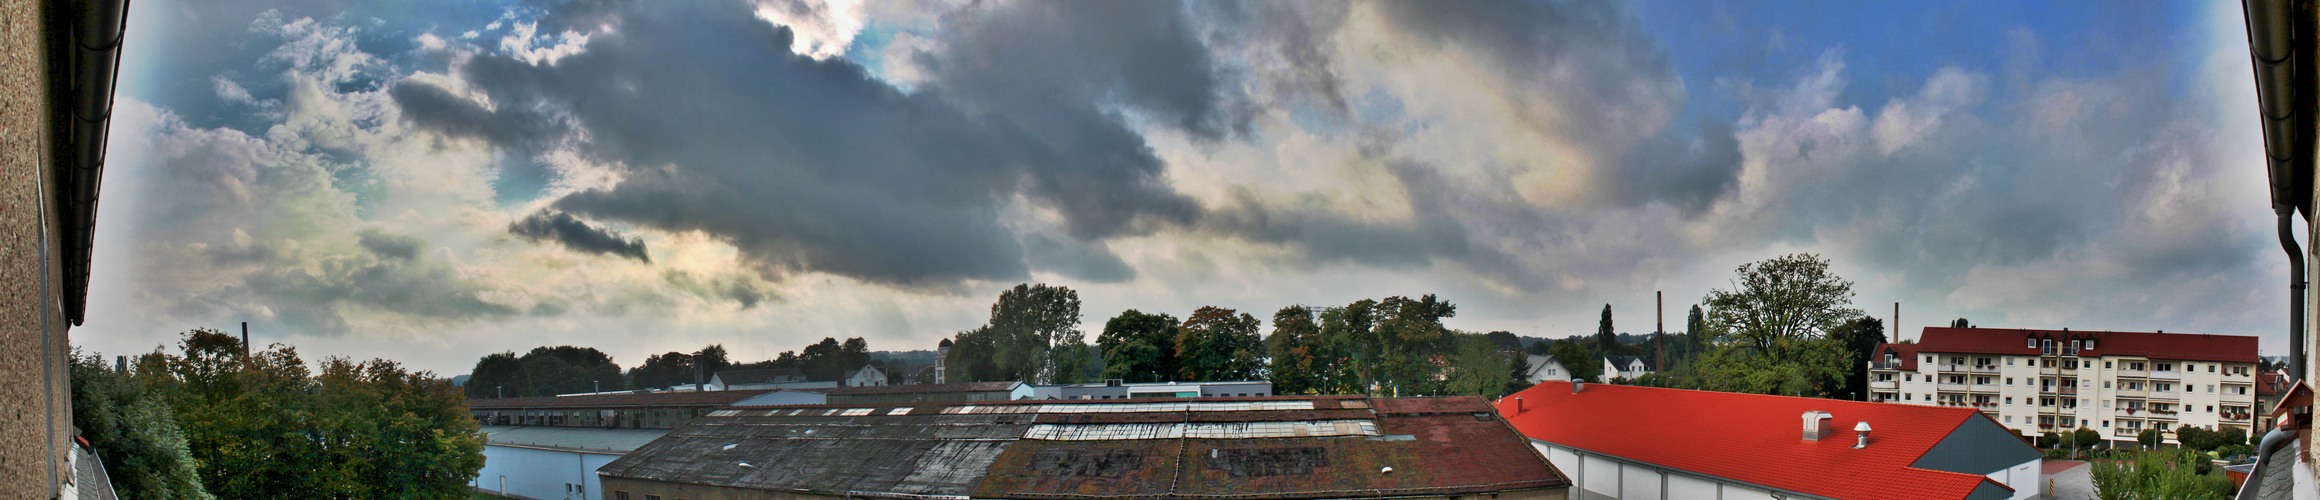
(554, 370)
(213, 422)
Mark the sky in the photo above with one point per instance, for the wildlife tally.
(431, 182)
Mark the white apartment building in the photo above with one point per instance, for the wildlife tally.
(2038, 381)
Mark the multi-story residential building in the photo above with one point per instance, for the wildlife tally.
(2037, 381)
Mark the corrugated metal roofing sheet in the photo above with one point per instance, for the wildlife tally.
(699, 398)
(1019, 451)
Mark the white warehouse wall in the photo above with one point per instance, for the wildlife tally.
(541, 474)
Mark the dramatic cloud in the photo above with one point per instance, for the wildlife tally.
(576, 234)
(376, 174)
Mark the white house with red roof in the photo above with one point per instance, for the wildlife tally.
(1630, 442)
(2037, 381)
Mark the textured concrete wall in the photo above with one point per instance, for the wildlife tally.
(35, 419)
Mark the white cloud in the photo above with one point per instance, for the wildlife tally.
(821, 29)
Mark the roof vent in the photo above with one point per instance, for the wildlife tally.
(1578, 387)
(1861, 431)
(1816, 425)
(1518, 409)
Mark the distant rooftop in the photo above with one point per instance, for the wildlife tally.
(2156, 345)
(688, 398)
(581, 439)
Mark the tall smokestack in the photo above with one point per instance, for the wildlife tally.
(245, 339)
(1659, 329)
(700, 380)
(1896, 323)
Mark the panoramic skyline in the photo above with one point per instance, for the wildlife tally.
(434, 183)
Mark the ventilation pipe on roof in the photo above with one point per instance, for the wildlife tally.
(1816, 425)
(2296, 290)
(1861, 432)
(1518, 409)
(1578, 387)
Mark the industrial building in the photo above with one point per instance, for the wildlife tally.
(1116, 389)
(552, 462)
(1629, 442)
(1244, 448)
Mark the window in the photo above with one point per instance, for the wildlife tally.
(1908, 377)
(2211, 408)
(619, 495)
(2106, 365)
(1929, 359)
(2009, 380)
(2009, 361)
(2106, 403)
(2211, 388)
(2033, 344)
(2106, 423)
(2009, 419)
(652, 497)
(2239, 389)
(1905, 395)
(2210, 368)
(2106, 384)
(2009, 400)
(2090, 345)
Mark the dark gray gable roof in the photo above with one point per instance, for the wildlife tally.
(1978, 446)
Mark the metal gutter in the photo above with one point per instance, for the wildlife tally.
(2281, 46)
(93, 63)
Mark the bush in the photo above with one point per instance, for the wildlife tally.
(2174, 474)
(134, 432)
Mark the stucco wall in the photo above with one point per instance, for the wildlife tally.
(35, 418)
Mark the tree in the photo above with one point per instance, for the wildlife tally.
(2085, 438)
(1779, 304)
(1029, 321)
(2174, 474)
(1412, 340)
(1582, 364)
(2149, 438)
(1139, 347)
(135, 432)
(261, 425)
(713, 360)
(1606, 340)
(659, 371)
(1215, 345)
(1959, 323)
(1805, 371)
(1859, 339)
(1478, 368)
(972, 358)
(1351, 347)
(1505, 341)
(1291, 348)
(494, 374)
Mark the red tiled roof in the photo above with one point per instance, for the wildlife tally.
(1905, 353)
(2179, 346)
(690, 398)
(1750, 438)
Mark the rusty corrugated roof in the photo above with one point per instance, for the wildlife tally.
(699, 398)
(1436, 446)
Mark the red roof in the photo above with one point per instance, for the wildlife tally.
(1905, 353)
(1750, 438)
(2180, 346)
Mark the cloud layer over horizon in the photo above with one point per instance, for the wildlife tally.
(646, 177)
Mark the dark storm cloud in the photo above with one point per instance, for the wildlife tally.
(1082, 261)
(1051, 58)
(316, 299)
(578, 235)
(814, 165)
(1689, 170)
(435, 108)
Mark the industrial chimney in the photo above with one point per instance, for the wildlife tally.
(245, 339)
(1816, 425)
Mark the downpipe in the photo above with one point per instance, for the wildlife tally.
(2296, 287)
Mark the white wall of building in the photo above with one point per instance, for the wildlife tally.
(542, 474)
(2103, 386)
(1603, 477)
(2022, 478)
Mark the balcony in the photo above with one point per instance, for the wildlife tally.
(2237, 416)
(2167, 375)
(1992, 388)
(2131, 412)
(2134, 373)
(2163, 395)
(1949, 387)
(2159, 414)
(1885, 365)
(1950, 368)
(1884, 384)
(2131, 393)
(1982, 369)
(2066, 391)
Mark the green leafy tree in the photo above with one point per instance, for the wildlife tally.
(1780, 304)
(1029, 321)
(658, 371)
(1959, 323)
(2149, 438)
(1352, 348)
(972, 357)
(1804, 371)
(1292, 348)
(134, 431)
(2167, 474)
(1583, 365)
(262, 425)
(1412, 342)
(495, 374)
(1478, 368)
(1215, 344)
(1859, 339)
(1139, 347)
